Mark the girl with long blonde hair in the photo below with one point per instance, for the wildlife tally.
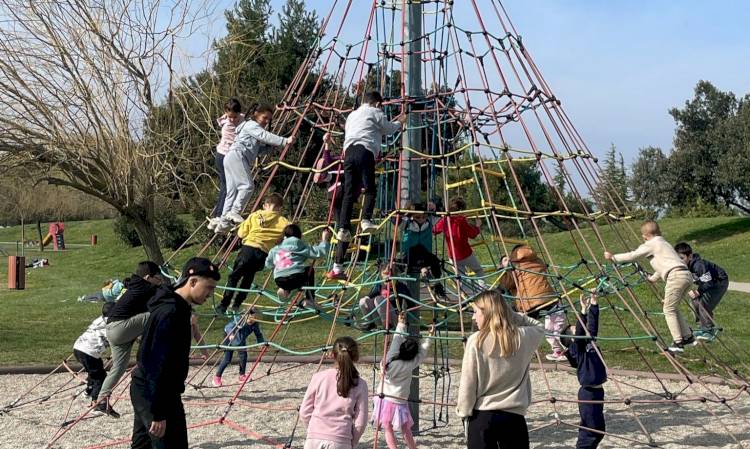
(495, 389)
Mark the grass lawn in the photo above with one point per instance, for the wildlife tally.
(39, 325)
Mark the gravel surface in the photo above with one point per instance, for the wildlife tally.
(267, 409)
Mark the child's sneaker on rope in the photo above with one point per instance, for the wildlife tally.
(106, 408)
(556, 356)
(334, 276)
(213, 223)
(425, 272)
(679, 346)
(706, 335)
(343, 235)
(368, 227)
(282, 294)
(234, 217)
(216, 381)
(243, 377)
(220, 309)
(223, 226)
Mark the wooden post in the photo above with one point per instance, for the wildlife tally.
(16, 272)
(41, 238)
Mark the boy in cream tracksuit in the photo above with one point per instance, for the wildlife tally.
(260, 232)
(669, 267)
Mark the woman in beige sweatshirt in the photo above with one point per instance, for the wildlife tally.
(495, 388)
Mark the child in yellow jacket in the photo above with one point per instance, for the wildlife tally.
(260, 232)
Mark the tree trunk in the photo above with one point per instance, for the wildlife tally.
(41, 238)
(147, 233)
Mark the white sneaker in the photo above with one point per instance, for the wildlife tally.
(213, 223)
(556, 356)
(223, 227)
(343, 235)
(234, 217)
(368, 227)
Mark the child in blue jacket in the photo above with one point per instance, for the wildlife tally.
(591, 374)
(235, 334)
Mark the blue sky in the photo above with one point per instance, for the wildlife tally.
(618, 66)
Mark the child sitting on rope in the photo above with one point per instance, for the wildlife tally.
(391, 409)
(457, 232)
(288, 262)
(259, 233)
(387, 298)
(713, 283)
(228, 122)
(88, 350)
(330, 179)
(591, 373)
(109, 292)
(417, 245)
(668, 266)
(527, 283)
(252, 141)
(363, 135)
(235, 334)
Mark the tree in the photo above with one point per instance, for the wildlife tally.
(651, 182)
(611, 193)
(79, 82)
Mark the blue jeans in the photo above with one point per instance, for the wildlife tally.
(219, 159)
(243, 353)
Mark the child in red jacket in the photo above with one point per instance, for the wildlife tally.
(457, 232)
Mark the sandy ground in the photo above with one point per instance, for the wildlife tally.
(267, 407)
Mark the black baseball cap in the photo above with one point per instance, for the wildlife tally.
(198, 266)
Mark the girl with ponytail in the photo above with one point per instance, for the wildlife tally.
(391, 409)
(334, 409)
(495, 388)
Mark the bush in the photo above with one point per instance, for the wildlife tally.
(700, 209)
(171, 230)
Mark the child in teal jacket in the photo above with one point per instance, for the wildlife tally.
(288, 261)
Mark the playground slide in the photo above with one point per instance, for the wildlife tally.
(47, 240)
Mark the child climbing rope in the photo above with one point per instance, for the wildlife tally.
(259, 233)
(88, 350)
(235, 334)
(534, 296)
(334, 409)
(417, 245)
(390, 409)
(457, 232)
(591, 374)
(228, 122)
(252, 140)
(669, 267)
(713, 283)
(363, 135)
(379, 298)
(288, 262)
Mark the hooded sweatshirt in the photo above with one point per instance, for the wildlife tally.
(582, 355)
(252, 140)
(457, 231)
(165, 350)
(527, 281)
(289, 257)
(262, 229)
(706, 273)
(134, 301)
(417, 234)
(398, 373)
(94, 340)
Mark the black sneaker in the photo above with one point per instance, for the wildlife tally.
(220, 310)
(440, 291)
(107, 409)
(676, 347)
(690, 341)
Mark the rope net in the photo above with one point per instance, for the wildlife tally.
(485, 118)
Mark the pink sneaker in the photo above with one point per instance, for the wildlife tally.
(243, 377)
(556, 356)
(216, 382)
(333, 276)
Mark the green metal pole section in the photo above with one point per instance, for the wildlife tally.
(410, 171)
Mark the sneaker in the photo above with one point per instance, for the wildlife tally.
(440, 291)
(233, 217)
(425, 272)
(311, 305)
(706, 334)
(220, 310)
(343, 235)
(213, 223)
(107, 409)
(243, 377)
(333, 276)
(368, 227)
(282, 294)
(690, 341)
(223, 226)
(81, 298)
(556, 356)
(216, 381)
(676, 347)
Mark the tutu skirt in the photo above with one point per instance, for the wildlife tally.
(385, 411)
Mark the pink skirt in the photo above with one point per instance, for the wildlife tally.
(385, 411)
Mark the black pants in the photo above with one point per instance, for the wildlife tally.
(219, 159)
(592, 416)
(705, 304)
(176, 431)
(359, 171)
(96, 373)
(419, 257)
(299, 280)
(497, 429)
(250, 261)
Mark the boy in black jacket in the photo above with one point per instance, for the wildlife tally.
(591, 374)
(712, 283)
(159, 379)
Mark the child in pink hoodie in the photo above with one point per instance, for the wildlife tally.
(228, 122)
(335, 406)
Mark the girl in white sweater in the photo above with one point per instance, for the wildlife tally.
(495, 388)
(391, 409)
